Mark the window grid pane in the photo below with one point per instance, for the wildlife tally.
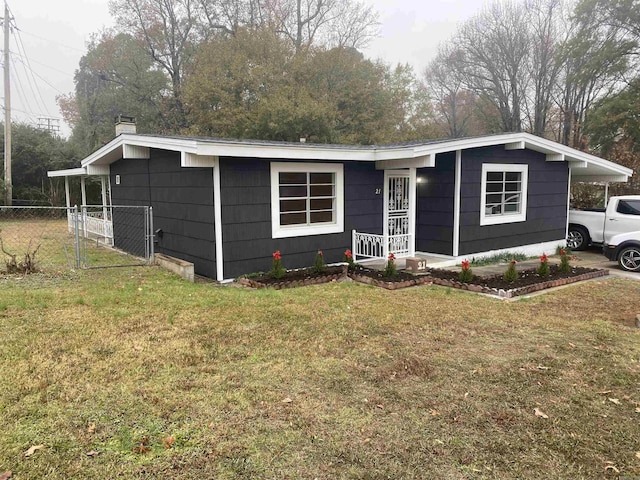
(503, 193)
(307, 203)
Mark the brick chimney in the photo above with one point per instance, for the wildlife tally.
(125, 124)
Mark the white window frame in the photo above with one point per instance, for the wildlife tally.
(279, 231)
(505, 217)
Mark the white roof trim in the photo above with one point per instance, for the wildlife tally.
(71, 172)
(113, 151)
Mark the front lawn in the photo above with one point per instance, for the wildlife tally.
(133, 373)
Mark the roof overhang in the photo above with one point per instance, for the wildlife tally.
(202, 152)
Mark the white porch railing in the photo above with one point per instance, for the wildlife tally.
(93, 225)
(371, 245)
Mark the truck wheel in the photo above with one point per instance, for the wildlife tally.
(578, 238)
(629, 259)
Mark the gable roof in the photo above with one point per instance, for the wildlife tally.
(201, 151)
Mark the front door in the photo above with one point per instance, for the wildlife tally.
(398, 211)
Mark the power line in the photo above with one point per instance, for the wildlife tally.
(17, 54)
(51, 41)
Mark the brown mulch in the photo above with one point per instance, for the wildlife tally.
(525, 277)
(297, 275)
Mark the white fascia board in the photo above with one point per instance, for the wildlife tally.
(576, 178)
(69, 172)
(418, 162)
(192, 160)
(135, 152)
(98, 169)
(515, 146)
(284, 152)
(556, 157)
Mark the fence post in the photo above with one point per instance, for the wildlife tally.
(77, 234)
(151, 238)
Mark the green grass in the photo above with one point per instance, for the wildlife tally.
(418, 383)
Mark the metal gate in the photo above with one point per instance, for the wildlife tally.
(114, 235)
(397, 212)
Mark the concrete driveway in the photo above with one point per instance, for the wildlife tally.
(593, 258)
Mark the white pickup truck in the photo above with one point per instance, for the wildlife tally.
(598, 226)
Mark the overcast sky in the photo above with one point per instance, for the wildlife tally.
(54, 36)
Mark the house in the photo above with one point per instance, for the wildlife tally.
(227, 205)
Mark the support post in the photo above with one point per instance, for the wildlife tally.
(66, 192)
(456, 205)
(103, 186)
(353, 245)
(83, 189)
(413, 190)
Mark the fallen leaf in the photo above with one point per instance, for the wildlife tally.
(33, 449)
(287, 400)
(614, 400)
(433, 413)
(143, 446)
(169, 441)
(380, 406)
(611, 467)
(638, 455)
(91, 428)
(137, 347)
(606, 392)
(541, 367)
(92, 453)
(638, 410)
(540, 413)
(5, 475)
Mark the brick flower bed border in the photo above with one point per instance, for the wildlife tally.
(253, 283)
(515, 292)
(421, 280)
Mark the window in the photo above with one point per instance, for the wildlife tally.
(629, 207)
(306, 199)
(504, 193)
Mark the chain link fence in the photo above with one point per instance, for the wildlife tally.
(55, 239)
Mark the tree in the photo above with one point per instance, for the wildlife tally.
(614, 130)
(34, 153)
(168, 29)
(115, 76)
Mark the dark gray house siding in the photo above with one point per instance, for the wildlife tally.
(434, 220)
(246, 217)
(182, 201)
(546, 208)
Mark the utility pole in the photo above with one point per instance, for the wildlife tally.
(7, 109)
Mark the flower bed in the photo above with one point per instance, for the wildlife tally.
(296, 278)
(528, 281)
(378, 278)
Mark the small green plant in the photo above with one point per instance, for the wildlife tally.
(390, 269)
(465, 275)
(277, 270)
(543, 268)
(511, 275)
(319, 266)
(348, 257)
(560, 249)
(564, 261)
(498, 258)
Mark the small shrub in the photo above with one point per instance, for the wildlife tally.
(348, 257)
(390, 269)
(319, 266)
(511, 275)
(543, 268)
(277, 270)
(465, 275)
(564, 261)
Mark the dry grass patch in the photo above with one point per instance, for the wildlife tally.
(166, 379)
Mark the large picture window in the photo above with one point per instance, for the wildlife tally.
(504, 193)
(306, 199)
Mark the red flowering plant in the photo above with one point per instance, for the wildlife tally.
(319, 266)
(348, 257)
(277, 270)
(511, 275)
(564, 261)
(390, 269)
(543, 268)
(465, 275)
